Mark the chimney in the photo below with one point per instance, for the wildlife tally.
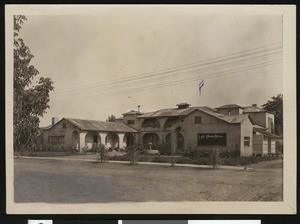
(139, 108)
(254, 105)
(54, 120)
(183, 105)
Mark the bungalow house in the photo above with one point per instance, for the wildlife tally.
(78, 133)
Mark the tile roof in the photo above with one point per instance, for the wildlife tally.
(254, 109)
(133, 112)
(228, 106)
(236, 118)
(249, 109)
(183, 112)
(92, 125)
(264, 132)
(46, 128)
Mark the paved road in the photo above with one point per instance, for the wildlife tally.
(57, 181)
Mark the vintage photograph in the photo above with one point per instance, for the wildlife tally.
(139, 104)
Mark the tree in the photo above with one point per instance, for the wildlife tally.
(111, 118)
(275, 105)
(30, 99)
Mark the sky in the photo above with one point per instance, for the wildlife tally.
(112, 62)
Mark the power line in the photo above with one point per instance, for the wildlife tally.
(175, 69)
(255, 57)
(213, 75)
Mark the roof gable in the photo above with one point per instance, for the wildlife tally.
(229, 106)
(184, 112)
(93, 125)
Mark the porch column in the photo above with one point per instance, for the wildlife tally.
(174, 141)
(135, 139)
(82, 140)
(102, 137)
(122, 144)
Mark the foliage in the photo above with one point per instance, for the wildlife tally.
(162, 159)
(30, 101)
(102, 152)
(241, 161)
(197, 153)
(132, 153)
(229, 154)
(214, 155)
(58, 148)
(111, 118)
(164, 149)
(275, 105)
(279, 148)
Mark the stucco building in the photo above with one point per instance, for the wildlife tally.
(245, 130)
(80, 134)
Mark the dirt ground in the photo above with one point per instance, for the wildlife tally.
(56, 181)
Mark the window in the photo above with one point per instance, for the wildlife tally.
(246, 141)
(130, 122)
(64, 126)
(56, 139)
(198, 120)
(271, 125)
(212, 139)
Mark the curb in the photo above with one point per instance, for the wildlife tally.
(143, 163)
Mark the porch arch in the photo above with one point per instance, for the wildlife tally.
(170, 121)
(112, 139)
(92, 138)
(180, 141)
(75, 139)
(151, 139)
(151, 122)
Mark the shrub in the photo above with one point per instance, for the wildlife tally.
(162, 159)
(213, 157)
(184, 160)
(145, 158)
(225, 153)
(119, 158)
(238, 161)
(198, 153)
(201, 161)
(132, 152)
(164, 149)
(32, 154)
(102, 152)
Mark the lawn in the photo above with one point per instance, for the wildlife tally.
(56, 181)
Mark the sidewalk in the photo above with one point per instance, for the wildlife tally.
(139, 163)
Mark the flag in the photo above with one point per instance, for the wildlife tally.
(201, 85)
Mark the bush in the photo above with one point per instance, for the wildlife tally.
(184, 160)
(164, 149)
(162, 159)
(132, 153)
(201, 161)
(145, 158)
(119, 158)
(198, 153)
(225, 153)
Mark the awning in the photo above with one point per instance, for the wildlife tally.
(266, 133)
